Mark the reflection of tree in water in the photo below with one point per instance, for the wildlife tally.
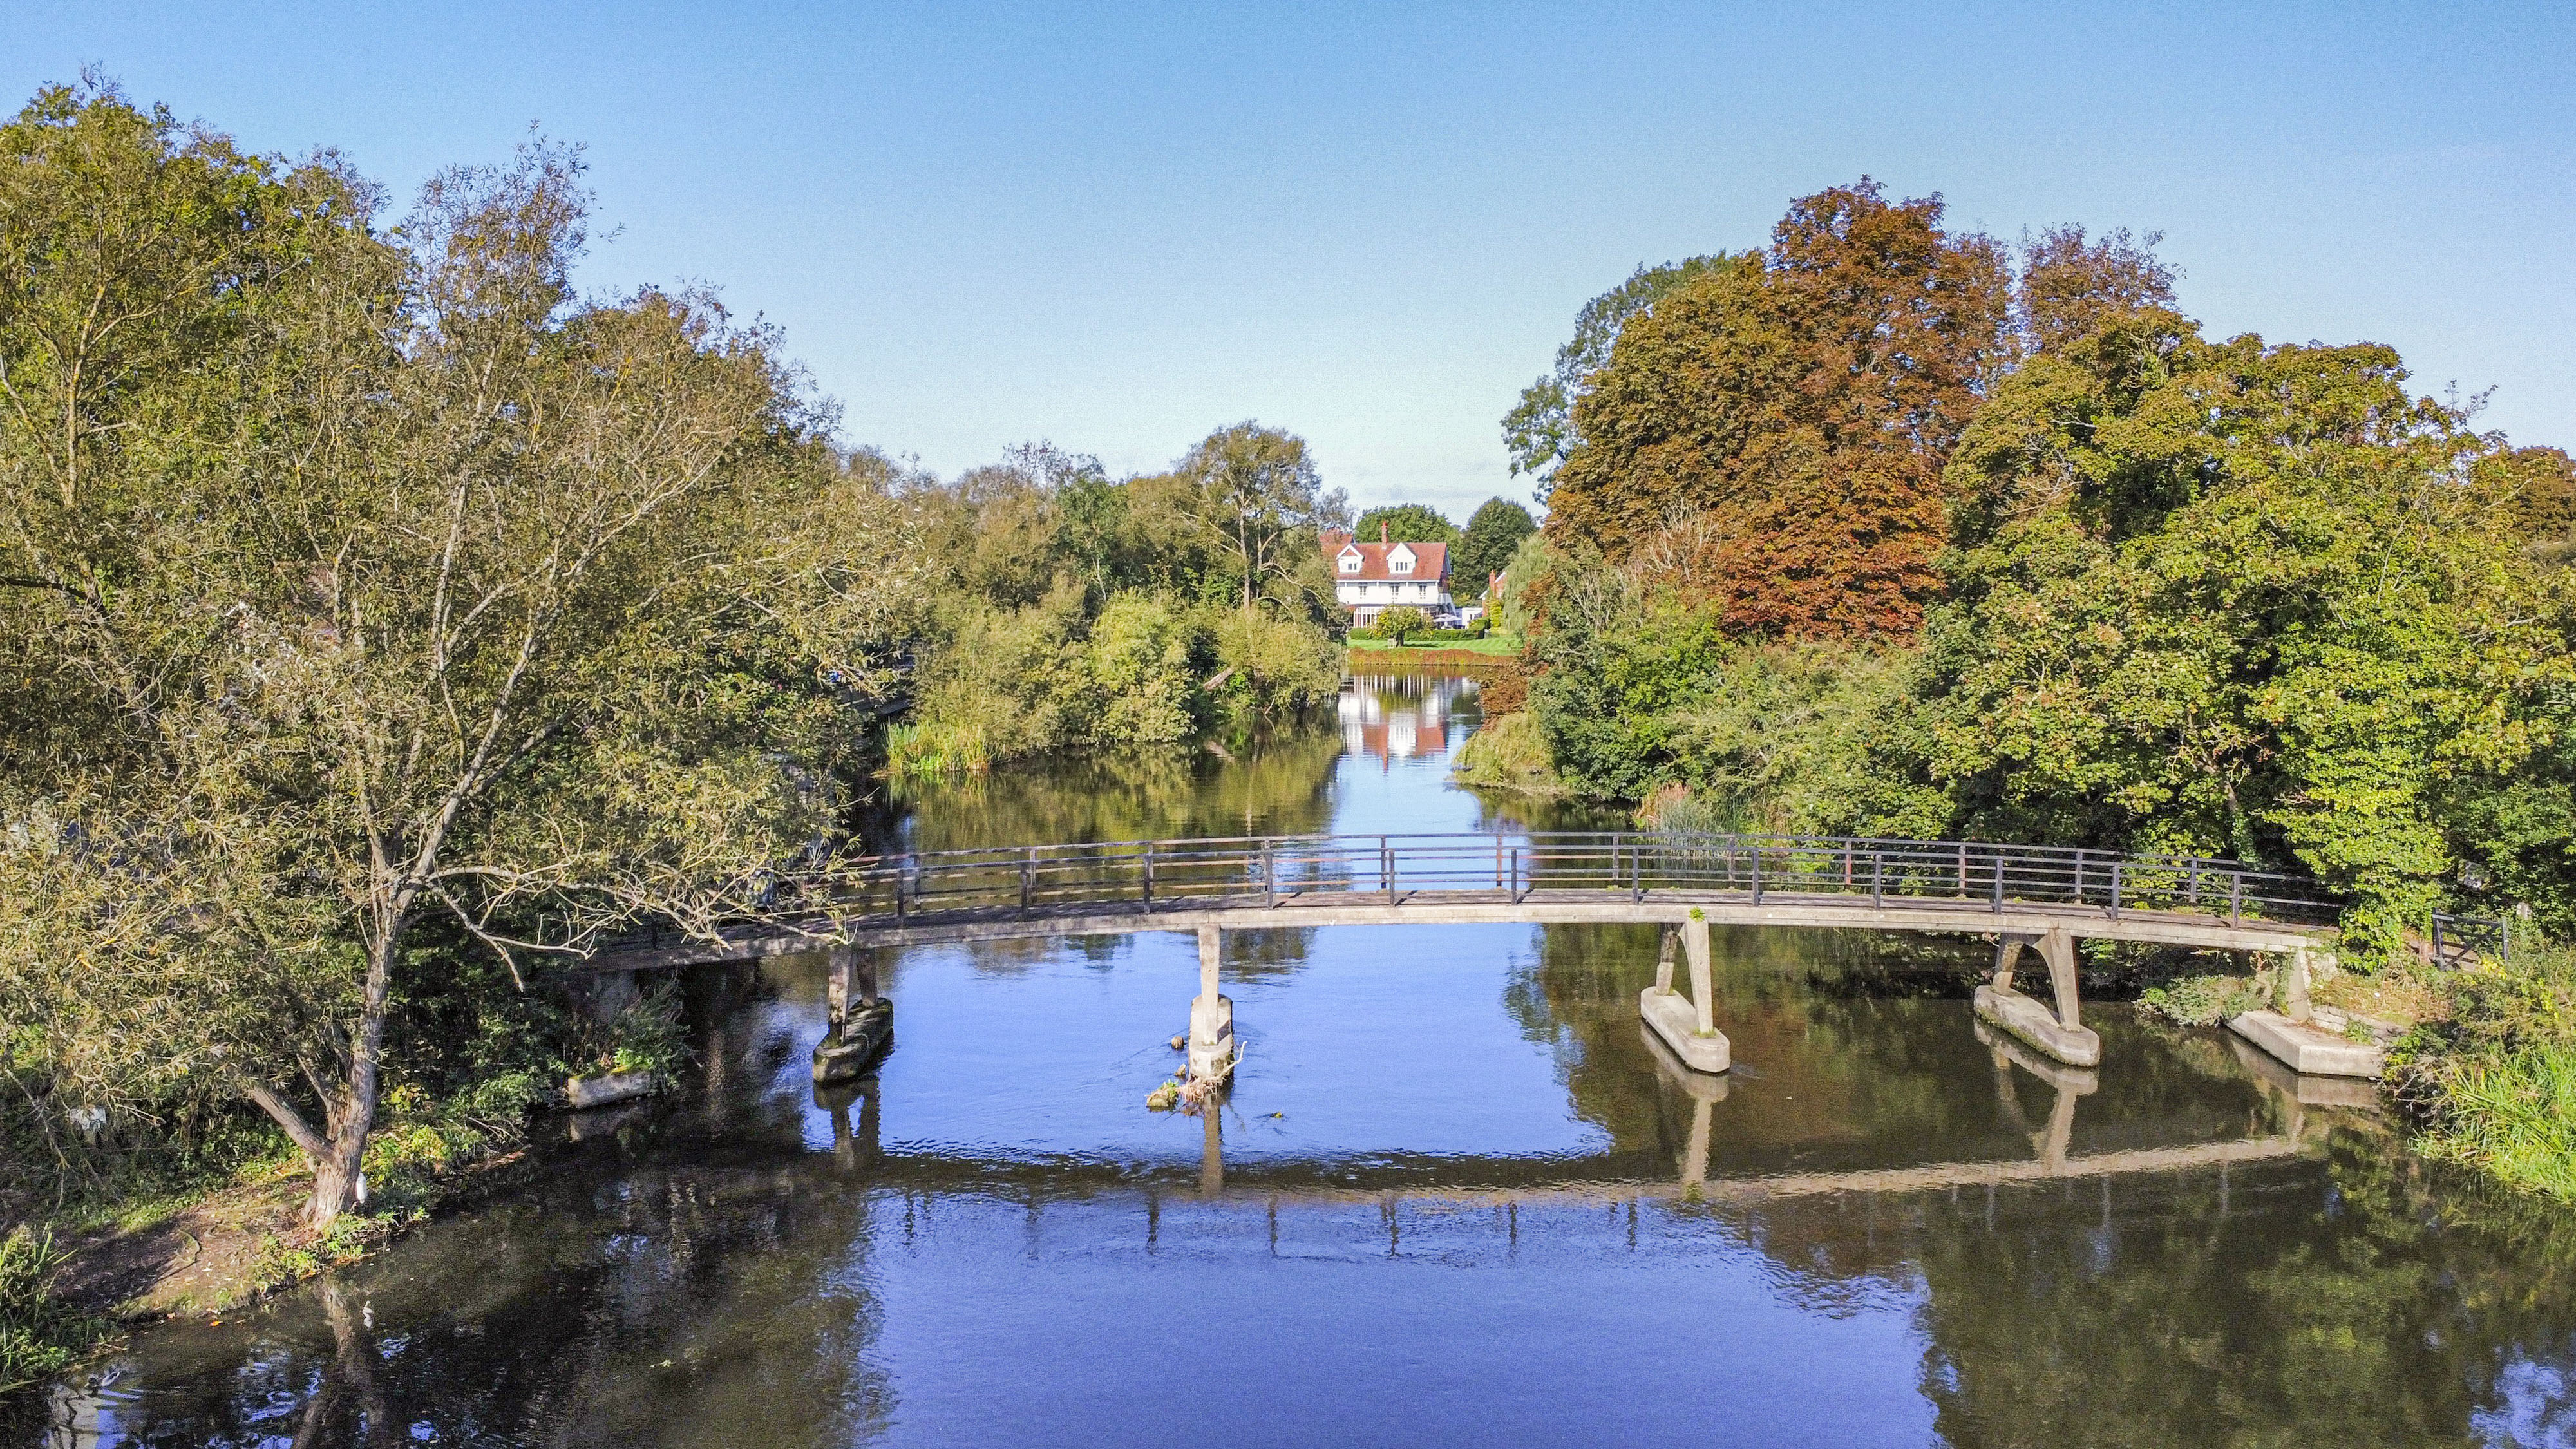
(691, 1306)
(2362, 1300)
(1272, 785)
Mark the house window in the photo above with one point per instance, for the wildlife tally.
(1401, 565)
(1350, 563)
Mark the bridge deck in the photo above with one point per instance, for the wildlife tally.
(1541, 906)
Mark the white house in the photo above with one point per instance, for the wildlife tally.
(1370, 577)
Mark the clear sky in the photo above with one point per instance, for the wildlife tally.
(1119, 227)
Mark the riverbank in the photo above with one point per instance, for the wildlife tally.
(1444, 651)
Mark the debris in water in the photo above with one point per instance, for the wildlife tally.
(1165, 1097)
(1181, 1042)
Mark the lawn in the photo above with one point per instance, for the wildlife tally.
(1490, 644)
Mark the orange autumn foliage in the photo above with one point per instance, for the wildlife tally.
(1768, 441)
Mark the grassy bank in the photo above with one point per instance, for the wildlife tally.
(1432, 651)
(2492, 1076)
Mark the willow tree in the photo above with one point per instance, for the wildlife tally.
(365, 576)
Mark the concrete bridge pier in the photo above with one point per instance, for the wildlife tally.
(1687, 1025)
(2057, 1033)
(862, 1021)
(1211, 1014)
(2293, 1036)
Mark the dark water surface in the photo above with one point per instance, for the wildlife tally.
(1456, 1198)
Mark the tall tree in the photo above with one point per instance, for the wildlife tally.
(1407, 523)
(1792, 414)
(2221, 598)
(2070, 288)
(1493, 532)
(387, 583)
(1259, 502)
(1540, 432)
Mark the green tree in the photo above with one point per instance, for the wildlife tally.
(1403, 622)
(2231, 599)
(1495, 530)
(1406, 523)
(1540, 432)
(1257, 501)
(385, 584)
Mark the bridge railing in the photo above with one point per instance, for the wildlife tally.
(1284, 870)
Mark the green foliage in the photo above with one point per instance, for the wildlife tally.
(1530, 564)
(40, 1335)
(1508, 753)
(1145, 669)
(1406, 523)
(2495, 1082)
(1540, 432)
(2250, 601)
(647, 1036)
(1276, 666)
(1494, 532)
(2205, 1000)
(361, 577)
(1402, 622)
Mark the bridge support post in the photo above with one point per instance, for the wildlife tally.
(2294, 988)
(2056, 1033)
(860, 1029)
(611, 992)
(1664, 953)
(1211, 1014)
(1689, 1026)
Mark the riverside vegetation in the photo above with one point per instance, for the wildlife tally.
(388, 621)
(1889, 528)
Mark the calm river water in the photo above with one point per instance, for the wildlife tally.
(1456, 1198)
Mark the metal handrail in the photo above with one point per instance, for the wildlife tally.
(1279, 870)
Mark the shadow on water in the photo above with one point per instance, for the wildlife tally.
(1458, 1196)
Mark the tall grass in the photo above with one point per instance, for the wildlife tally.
(2515, 1117)
(40, 1335)
(2495, 1084)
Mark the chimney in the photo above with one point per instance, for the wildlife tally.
(1381, 533)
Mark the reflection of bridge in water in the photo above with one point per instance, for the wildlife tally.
(857, 1149)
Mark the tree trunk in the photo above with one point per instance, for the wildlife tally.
(337, 1176)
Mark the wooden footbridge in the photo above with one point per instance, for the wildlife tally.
(2040, 896)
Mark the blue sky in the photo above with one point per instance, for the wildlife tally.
(1118, 227)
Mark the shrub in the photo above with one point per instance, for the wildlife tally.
(1274, 666)
(2495, 1085)
(1508, 753)
(2206, 1000)
(1403, 622)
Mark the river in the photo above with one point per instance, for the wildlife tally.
(1456, 1197)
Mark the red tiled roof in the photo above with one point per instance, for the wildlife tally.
(1430, 560)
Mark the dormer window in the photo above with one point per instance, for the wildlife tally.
(1400, 561)
(1350, 563)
